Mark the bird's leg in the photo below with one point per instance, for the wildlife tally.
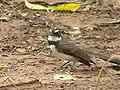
(72, 66)
(50, 52)
(63, 65)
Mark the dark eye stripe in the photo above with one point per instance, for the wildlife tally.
(57, 34)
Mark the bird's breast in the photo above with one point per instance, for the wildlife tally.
(60, 55)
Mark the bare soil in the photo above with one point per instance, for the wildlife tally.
(23, 46)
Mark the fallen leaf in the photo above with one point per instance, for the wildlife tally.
(66, 6)
(3, 66)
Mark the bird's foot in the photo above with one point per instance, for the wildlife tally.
(94, 68)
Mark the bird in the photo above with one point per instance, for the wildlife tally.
(66, 50)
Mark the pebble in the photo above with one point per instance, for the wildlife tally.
(21, 50)
(24, 14)
(87, 8)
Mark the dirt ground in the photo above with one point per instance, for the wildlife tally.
(24, 52)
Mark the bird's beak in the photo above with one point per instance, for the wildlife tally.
(50, 32)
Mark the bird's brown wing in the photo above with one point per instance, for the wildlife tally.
(69, 48)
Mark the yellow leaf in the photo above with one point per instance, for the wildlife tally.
(66, 6)
(69, 6)
(36, 6)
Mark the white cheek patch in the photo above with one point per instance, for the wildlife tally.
(52, 38)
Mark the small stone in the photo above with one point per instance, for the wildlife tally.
(5, 10)
(37, 14)
(76, 28)
(1, 4)
(90, 27)
(10, 14)
(97, 37)
(24, 14)
(87, 8)
(76, 32)
(21, 50)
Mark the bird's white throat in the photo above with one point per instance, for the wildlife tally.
(52, 47)
(53, 38)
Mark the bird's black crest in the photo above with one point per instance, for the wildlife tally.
(55, 32)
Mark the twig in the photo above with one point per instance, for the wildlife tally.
(37, 76)
(41, 51)
(4, 80)
(112, 77)
(45, 54)
(96, 86)
(13, 83)
(8, 78)
(30, 82)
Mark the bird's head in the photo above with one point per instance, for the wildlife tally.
(54, 35)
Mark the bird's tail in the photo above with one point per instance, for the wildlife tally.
(115, 59)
